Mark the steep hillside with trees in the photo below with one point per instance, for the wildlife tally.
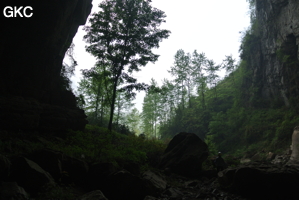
(255, 106)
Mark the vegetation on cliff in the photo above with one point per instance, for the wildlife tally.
(231, 114)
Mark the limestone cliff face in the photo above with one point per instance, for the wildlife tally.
(275, 61)
(31, 52)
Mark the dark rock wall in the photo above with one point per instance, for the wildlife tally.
(31, 54)
(275, 62)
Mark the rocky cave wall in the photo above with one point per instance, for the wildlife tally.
(31, 55)
(276, 58)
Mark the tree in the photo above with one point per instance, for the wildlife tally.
(121, 37)
(151, 108)
(123, 105)
(133, 121)
(212, 77)
(229, 65)
(182, 73)
(96, 90)
(199, 61)
(168, 103)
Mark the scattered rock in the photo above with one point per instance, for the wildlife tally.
(173, 193)
(124, 185)
(49, 160)
(5, 165)
(133, 168)
(191, 184)
(76, 170)
(98, 175)
(211, 173)
(154, 184)
(257, 157)
(150, 198)
(11, 191)
(93, 195)
(270, 156)
(281, 159)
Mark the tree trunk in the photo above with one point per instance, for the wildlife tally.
(102, 110)
(112, 104)
(97, 102)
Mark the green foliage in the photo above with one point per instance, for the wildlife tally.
(97, 144)
(121, 36)
(286, 57)
(209, 140)
(151, 111)
(16, 143)
(133, 120)
(250, 43)
(94, 145)
(236, 120)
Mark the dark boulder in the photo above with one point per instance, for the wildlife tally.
(98, 174)
(75, 170)
(155, 184)
(11, 191)
(5, 166)
(173, 193)
(93, 195)
(185, 154)
(30, 175)
(124, 185)
(150, 198)
(49, 160)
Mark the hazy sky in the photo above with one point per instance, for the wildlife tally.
(210, 26)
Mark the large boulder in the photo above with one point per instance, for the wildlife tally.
(262, 182)
(185, 154)
(30, 175)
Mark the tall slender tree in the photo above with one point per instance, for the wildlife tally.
(212, 77)
(96, 90)
(133, 119)
(151, 110)
(121, 36)
(179, 71)
(229, 65)
(199, 78)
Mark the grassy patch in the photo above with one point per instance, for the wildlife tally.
(94, 144)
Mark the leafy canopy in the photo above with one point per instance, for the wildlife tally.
(121, 36)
